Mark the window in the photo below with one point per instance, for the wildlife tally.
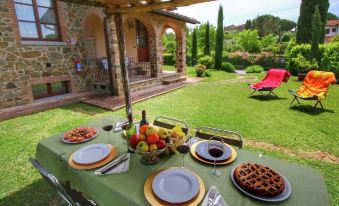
(327, 31)
(50, 89)
(37, 19)
(334, 29)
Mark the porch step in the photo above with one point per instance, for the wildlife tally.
(173, 79)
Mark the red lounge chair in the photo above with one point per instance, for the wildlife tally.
(272, 80)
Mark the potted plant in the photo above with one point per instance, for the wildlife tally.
(200, 69)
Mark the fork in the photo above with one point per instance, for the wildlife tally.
(211, 197)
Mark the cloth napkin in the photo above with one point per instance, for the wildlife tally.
(191, 141)
(221, 201)
(118, 125)
(123, 167)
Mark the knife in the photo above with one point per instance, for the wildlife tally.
(115, 165)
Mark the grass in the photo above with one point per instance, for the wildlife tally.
(218, 101)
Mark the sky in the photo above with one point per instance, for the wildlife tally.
(238, 11)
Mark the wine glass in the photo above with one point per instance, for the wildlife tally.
(183, 149)
(107, 126)
(215, 151)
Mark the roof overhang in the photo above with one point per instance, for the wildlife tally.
(176, 16)
(137, 6)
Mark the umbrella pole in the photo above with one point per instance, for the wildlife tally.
(122, 54)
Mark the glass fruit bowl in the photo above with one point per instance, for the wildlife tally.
(151, 157)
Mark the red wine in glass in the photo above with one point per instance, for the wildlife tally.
(215, 152)
(107, 128)
(183, 149)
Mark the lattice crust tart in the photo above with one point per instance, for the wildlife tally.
(259, 180)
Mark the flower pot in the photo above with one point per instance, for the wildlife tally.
(301, 77)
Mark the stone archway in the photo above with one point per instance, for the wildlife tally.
(180, 47)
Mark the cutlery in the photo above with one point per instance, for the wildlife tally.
(115, 165)
(217, 200)
(211, 197)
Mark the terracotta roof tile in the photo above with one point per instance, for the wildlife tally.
(332, 22)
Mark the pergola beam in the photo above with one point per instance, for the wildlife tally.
(156, 5)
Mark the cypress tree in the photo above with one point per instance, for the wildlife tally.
(316, 25)
(248, 24)
(207, 49)
(194, 48)
(304, 28)
(219, 39)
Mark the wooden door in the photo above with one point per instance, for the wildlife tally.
(142, 42)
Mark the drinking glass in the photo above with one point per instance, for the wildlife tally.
(183, 149)
(107, 126)
(216, 152)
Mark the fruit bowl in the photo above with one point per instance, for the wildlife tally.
(151, 157)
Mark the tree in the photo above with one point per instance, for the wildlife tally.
(266, 24)
(285, 26)
(219, 39)
(207, 49)
(316, 25)
(194, 48)
(331, 16)
(249, 40)
(304, 28)
(248, 24)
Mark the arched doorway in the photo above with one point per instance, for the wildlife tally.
(169, 50)
(171, 31)
(140, 49)
(96, 56)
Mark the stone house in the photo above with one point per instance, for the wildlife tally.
(50, 47)
(332, 29)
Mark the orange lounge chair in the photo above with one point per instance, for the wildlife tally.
(314, 87)
(272, 80)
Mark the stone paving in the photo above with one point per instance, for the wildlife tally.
(114, 103)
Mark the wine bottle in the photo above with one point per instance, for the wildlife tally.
(130, 131)
(143, 120)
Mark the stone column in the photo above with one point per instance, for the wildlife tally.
(113, 45)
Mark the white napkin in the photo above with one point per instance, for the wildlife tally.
(123, 167)
(220, 202)
(192, 140)
(118, 125)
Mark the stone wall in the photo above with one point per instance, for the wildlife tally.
(21, 64)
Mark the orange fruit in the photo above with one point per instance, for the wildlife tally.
(143, 129)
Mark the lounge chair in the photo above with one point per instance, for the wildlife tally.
(314, 87)
(272, 80)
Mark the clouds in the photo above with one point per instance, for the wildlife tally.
(238, 11)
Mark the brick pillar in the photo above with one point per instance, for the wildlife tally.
(158, 49)
(181, 51)
(116, 70)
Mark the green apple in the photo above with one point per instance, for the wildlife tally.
(151, 129)
(164, 133)
(142, 146)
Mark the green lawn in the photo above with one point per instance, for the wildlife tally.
(220, 101)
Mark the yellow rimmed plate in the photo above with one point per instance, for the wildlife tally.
(112, 155)
(229, 160)
(155, 201)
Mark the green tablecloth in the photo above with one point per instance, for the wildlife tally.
(308, 185)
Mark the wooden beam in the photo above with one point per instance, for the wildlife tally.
(155, 6)
(121, 44)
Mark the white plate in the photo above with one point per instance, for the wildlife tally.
(282, 196)
(91, 154)
(175, 185)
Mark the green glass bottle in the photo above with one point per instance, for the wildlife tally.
(130, 131)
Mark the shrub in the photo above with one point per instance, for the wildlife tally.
(169, 59)
(207, 73)
(330, 58)
(239, 58)
(254, 69)
(300, 64)
(335, 39)
(207, 61)
(200, 69)
(264, 59)
(227, 67)
(249, 40)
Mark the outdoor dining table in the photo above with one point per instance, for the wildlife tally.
(308, 185)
